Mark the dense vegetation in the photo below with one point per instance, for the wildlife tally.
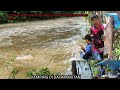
(6, 18)
(40, 72)
(116, 46)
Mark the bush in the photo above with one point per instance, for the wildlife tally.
(41, 72)
(13, 73)
(117, 46)
(3, 17)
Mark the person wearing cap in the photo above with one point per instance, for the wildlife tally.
(97, 34)
(87, 53)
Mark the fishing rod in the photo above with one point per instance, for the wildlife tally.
(76, 41)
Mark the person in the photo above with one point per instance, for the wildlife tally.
(97, 34)
(87, 53)
(102, 70)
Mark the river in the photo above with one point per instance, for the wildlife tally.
(47, 43)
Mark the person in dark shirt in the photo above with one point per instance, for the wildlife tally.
(102, 70)
(87, 53)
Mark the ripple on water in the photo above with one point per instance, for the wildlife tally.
(52, 45)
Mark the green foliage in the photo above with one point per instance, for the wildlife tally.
(5, 18)
(96, 71)
(92, 63)
(117, 45)
(41, 72)
(13, 73)
(31, 73)
(117, 52)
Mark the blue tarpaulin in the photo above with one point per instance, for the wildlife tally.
(112, 64)
(116, 19)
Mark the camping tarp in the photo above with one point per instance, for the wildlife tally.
(116, 20)
(112, 64)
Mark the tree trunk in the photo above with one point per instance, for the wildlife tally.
(108, 43)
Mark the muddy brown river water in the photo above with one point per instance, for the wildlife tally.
(39, 44)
